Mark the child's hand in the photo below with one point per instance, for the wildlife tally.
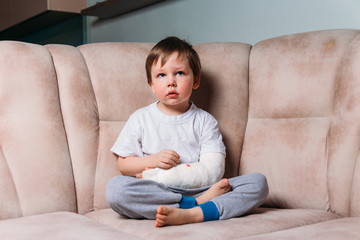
(167, 159)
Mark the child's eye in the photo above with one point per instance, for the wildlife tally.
(161, 75)
(180, 73)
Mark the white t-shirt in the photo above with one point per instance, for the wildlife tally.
(148, 131)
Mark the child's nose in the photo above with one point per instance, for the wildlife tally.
(172, 82)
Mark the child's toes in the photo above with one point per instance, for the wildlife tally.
(159, 223)
(162, 210)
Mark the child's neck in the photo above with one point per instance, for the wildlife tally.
(173, 110)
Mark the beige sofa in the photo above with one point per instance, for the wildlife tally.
(288, 107)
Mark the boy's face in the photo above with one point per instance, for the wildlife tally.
(172, 84)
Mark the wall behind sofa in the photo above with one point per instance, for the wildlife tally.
(247, 21)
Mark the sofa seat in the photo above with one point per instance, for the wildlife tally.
(58, 225)
(263, 220)
(343, 228)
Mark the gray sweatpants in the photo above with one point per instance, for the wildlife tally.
(137, 198)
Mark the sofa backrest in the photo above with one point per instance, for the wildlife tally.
(35, 168)
(303, 130)
(289, 108)
(101, 84)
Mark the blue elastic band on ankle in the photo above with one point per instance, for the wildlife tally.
(187, 202)
(210, 211)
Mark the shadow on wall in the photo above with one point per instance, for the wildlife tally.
(203, 96)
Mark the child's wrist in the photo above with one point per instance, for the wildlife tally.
(152, 163)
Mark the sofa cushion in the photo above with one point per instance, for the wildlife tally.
(304, 118)
(35, 166)
(351, 99)
(344, 228)
(59, 225)
(262, 220)
(99, 87)
(81, 120)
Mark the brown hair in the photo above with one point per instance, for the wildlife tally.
(168, 46)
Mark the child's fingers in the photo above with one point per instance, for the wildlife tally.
(171, 154)
(174, 156)
(171, 158)
(173, 161)
(168, 163)
(165, 165)
(168, 159)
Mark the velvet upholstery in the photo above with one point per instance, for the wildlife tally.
(59, 226)
(34, 156)
(80, 118)
(223, 92)
(344, 228)
(262, 220)
(288, 107)
(303, 124)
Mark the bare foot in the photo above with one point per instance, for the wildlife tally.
(218, 189)
(177, 216)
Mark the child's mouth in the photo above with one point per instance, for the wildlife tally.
(172, 94)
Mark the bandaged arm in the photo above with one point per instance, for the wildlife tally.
(207, 171)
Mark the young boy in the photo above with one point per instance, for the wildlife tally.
(171, 153)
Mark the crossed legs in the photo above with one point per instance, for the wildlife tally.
(229, 198)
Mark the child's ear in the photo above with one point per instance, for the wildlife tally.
(196, 82)
(152, 87)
